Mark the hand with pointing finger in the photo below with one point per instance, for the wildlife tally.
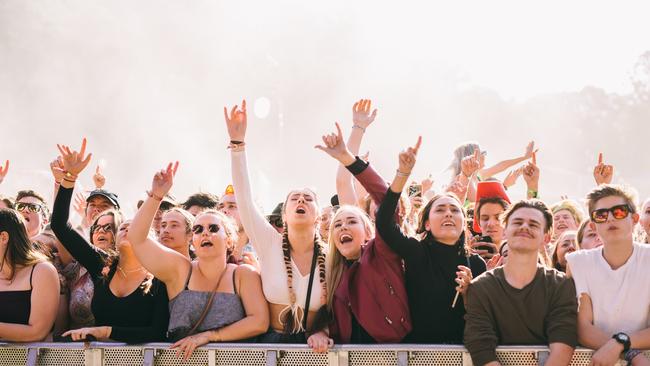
(163, 181)
(98, 178)
(603, 173)
(335, 147)
(4, 170)
(407, 157)
(531, 173)
(471, 164)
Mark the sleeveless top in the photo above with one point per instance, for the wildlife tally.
(186, 308)
(16, 306)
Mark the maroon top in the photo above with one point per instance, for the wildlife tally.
(372, 289)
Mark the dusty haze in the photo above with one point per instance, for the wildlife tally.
(146, 82)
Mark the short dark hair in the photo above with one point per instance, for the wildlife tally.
(484, 200)
(30, 193)
(535, 204)
(201, 199)
(7, 200)
(607, 190)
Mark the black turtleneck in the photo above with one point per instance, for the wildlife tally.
(430, 279)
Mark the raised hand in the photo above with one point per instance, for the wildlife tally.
(531, 173)
(407, 157)
(99, 178)
(463, 279)
(512, 176)
(56, 166)
(427, 183)
(361, 115)
(494, 262)
(458, 186)
(471, 164)
(163, 181)
(603, 173)
(530, 149)
(236, 122)
(74, 162)
(4, 170)
(335, 147)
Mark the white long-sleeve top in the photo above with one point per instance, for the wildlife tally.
(268, 245)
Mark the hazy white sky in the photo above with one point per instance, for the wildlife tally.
(146, 80)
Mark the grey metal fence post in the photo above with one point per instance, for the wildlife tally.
(32, 356)
(542, 356)
(271, 358)
(402, 358)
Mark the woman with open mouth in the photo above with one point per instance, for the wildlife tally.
(438, 267)
(128, 303)
(365, 280)
(211, 299)
(293, 263)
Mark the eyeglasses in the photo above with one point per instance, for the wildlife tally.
(619, 212)
(105, 228)
(276, 221)
(29, 207)
(212, 228)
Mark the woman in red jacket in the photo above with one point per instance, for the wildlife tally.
(363, 275)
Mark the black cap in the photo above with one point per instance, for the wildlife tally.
(111, 197)
(334, 201)
(277, 211)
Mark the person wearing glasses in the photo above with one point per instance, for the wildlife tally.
(210, 298)
(128, 303)
(612, 281)
(34, 209)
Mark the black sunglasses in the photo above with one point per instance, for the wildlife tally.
(276, 221)
(30, 207)
(212, 228)
(619, 212)
(105, 228)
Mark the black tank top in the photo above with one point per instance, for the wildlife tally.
(15, 306)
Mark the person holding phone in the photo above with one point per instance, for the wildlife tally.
(492, 201)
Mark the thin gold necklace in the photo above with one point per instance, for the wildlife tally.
(125, 273)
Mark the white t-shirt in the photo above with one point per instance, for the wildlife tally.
(620, 297)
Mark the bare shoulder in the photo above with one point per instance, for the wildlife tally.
(247, 271)
(45, 269)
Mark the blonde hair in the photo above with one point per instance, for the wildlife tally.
(570, 206)
(335, 260)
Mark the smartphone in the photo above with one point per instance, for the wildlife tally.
(415, 190)
(485, 239)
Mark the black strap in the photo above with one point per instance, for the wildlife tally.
(30, 277)
(187, 281)
(311, 281)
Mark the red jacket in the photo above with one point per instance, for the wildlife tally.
(372, 288)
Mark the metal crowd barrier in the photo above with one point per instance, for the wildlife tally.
(244, 354)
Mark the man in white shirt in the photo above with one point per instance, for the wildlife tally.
(611, 281)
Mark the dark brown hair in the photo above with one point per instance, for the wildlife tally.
(19, 252)
(534, 204)
(485, 200)
(423, 217)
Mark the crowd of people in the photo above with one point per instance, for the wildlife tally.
(385, 262)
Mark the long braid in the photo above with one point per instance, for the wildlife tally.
(290, 318)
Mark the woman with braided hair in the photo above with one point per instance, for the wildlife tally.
(292, 264)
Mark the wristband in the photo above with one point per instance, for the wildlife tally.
(237, 147)
(236, 142)
(533, 193)
(359, 127)
(629, 355)
(401, 174)
(151, 195)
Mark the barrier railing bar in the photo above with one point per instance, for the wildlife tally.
(271, 358)
(32, 356)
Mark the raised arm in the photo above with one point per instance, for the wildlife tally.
(505, 164)
(385, 218)
(89, 256)
(44, 300)
(257, 228)
(164, 263)
(362, 118)
(3, 171)
(531, 176)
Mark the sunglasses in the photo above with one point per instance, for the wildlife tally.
(29, 207)
(276, 221)
(619, 212)
(105, 228)
(212, 228)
